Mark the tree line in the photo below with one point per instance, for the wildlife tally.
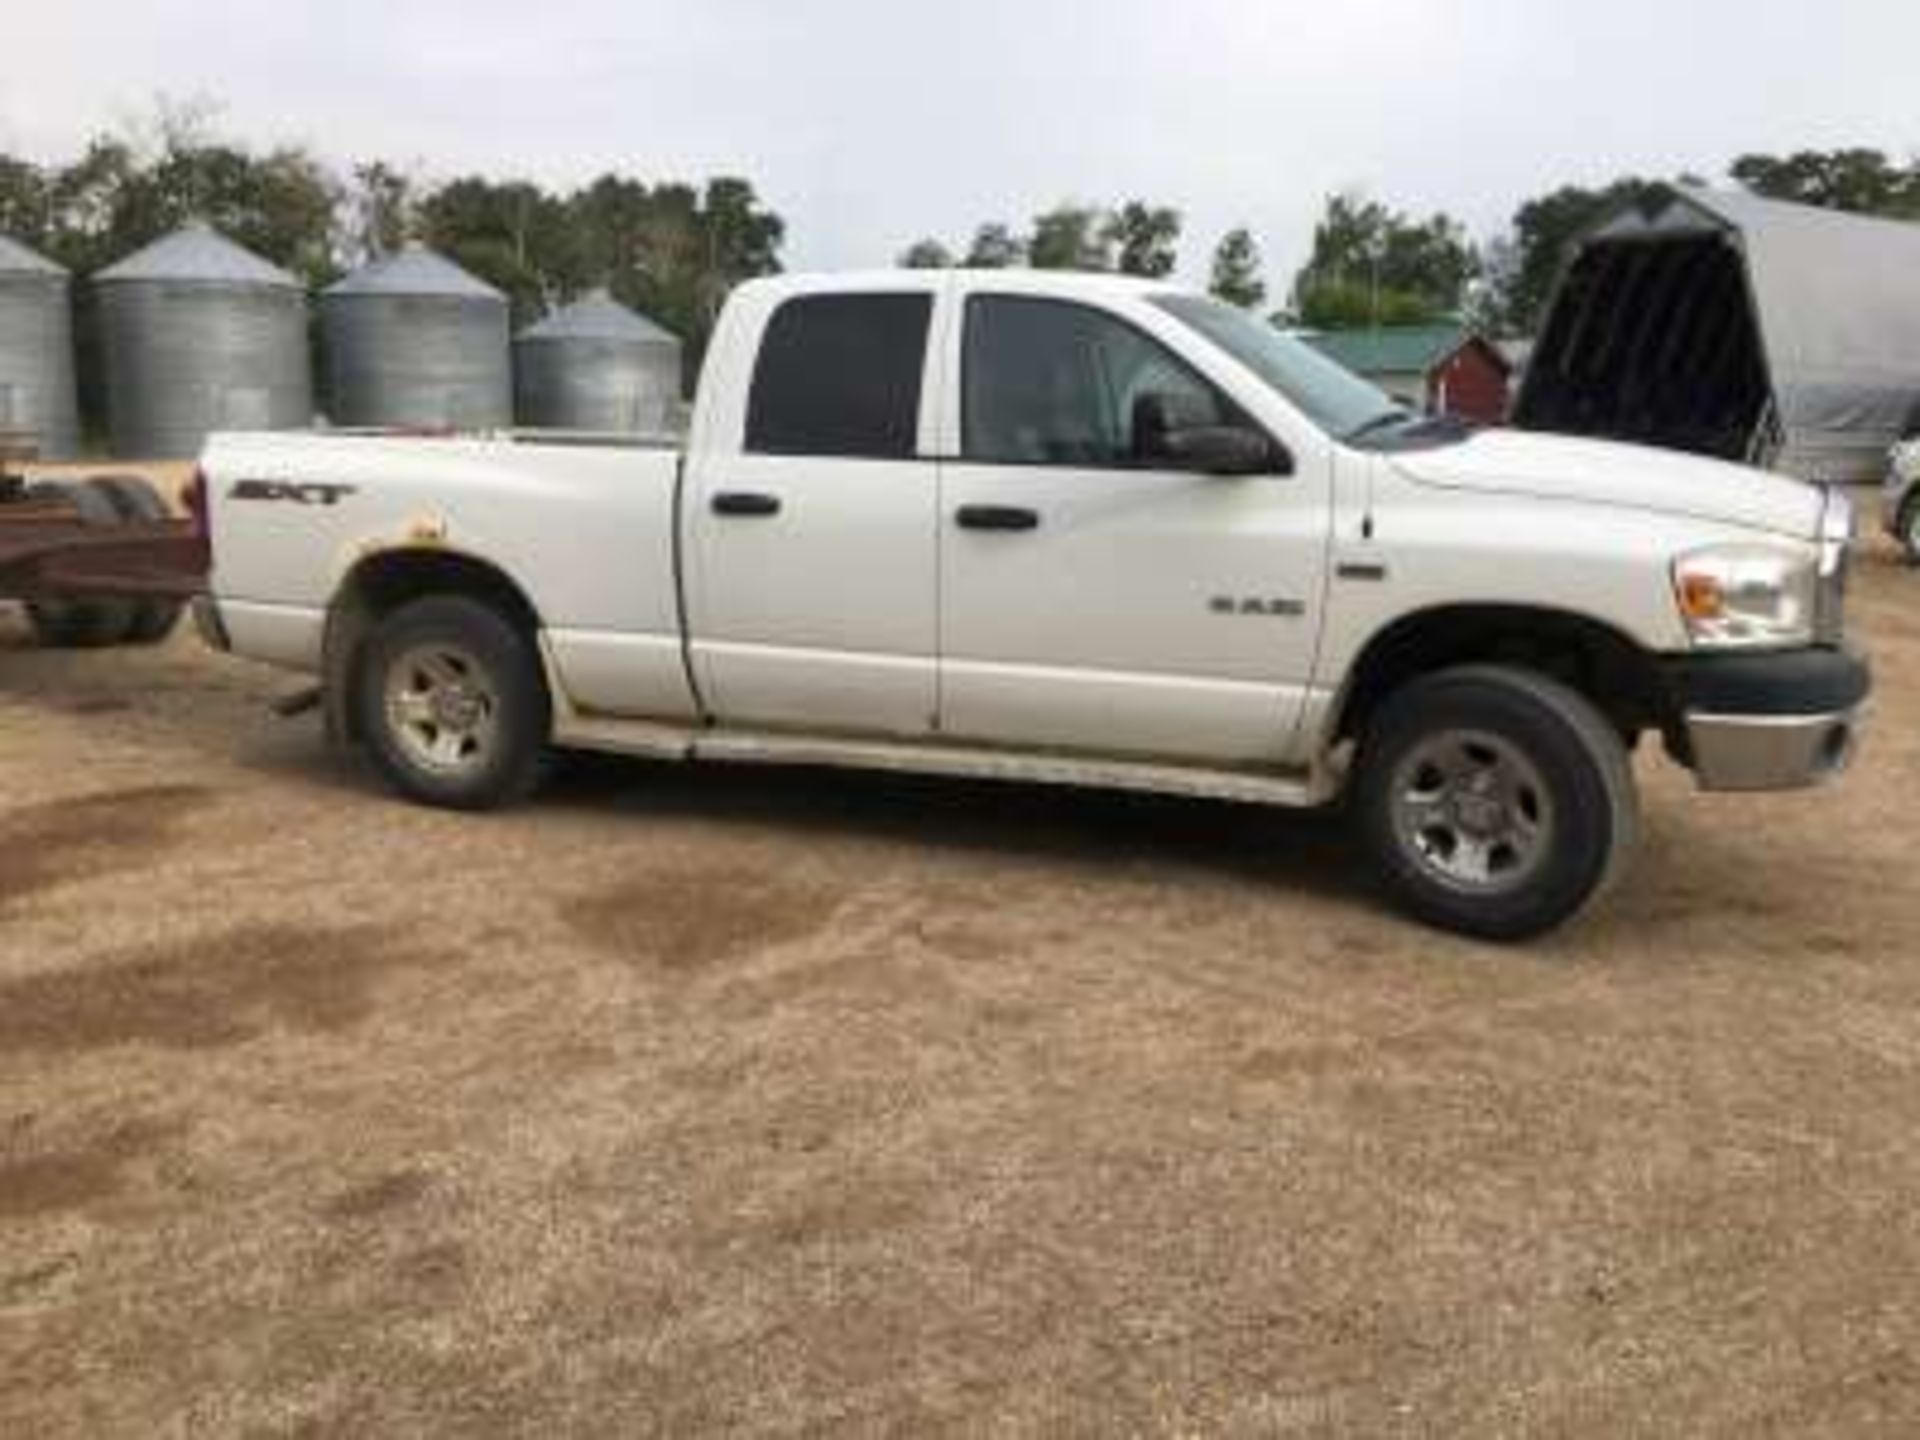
(673, 248)
(1374, 265)
(1135, 238)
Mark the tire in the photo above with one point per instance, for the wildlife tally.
(153, 620)
(476, 736)
(82, 624)
(1495, 802)
(1910, 528)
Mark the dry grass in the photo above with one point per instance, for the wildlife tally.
(684, 1102)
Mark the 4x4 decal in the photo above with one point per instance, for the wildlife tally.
(297, 492)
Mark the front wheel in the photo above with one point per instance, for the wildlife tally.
(452, 704)
(1497, 803)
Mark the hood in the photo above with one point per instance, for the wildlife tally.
(1635, 477)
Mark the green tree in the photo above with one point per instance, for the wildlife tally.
(1347, 305)
(1145, 237)
(26, 201)
(1863, 181)
(1071, 237)
(380, 212)
(926, 255)
(672, 250)
(995, 247)
(1236, 270)
(1372, 265)
(511, 234)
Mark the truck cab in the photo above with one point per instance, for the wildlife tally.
(1067, 529)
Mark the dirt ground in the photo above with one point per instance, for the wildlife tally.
(697, 1101)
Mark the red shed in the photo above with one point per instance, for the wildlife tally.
(1441, 369)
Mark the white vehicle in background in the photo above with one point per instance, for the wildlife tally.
(1065, 529)
(1900, 501)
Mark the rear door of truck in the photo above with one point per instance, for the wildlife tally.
(810, 510)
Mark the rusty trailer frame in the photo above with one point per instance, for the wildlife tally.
(48, 552)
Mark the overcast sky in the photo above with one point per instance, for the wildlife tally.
(868, 123)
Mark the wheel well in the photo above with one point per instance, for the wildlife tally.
(380, 585)
(1622, 680)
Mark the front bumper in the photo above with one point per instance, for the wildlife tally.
(1769, 722)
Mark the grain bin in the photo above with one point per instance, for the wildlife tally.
(199, 335)
(37, 405)
(415, 340)
(597, 366)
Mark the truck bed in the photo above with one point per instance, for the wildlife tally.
(583, 528)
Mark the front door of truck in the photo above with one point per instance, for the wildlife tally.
(1094, 600)
(811, 552)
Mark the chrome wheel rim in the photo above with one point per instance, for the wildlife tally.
(442, 708)
(1472, 812)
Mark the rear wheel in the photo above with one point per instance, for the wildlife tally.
(1496, 802)
(82, 623)
(452, 703)
(137, 500)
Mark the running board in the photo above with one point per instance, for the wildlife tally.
(655, 741)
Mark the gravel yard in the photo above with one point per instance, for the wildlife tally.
(685, 1101)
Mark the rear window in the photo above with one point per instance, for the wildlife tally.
(840, 375)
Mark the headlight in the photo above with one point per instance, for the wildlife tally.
(1739, 597)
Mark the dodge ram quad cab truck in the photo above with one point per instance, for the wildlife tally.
(1080, 530)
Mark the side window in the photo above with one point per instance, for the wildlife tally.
(840, 375)
(1049, 382)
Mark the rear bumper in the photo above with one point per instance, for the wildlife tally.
(1770, 722)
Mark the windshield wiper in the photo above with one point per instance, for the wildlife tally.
(1378, 422)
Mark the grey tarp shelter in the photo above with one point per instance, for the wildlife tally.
(1744, 328)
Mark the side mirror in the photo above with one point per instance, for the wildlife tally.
(1168, 432)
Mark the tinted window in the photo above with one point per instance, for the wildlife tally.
(840, 375)
(1053, 383)
(1339, 402)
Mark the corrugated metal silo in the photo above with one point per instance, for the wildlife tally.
(415, 340)
(597, 366)
(200, 335)
(37, 404)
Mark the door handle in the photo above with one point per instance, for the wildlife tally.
(745, 503)
(996, 517)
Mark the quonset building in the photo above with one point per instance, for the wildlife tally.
(1736, 327)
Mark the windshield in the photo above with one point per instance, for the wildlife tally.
(1336, 400)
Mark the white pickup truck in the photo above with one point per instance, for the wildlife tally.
(1066, 529)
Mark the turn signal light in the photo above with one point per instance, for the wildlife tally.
(1702, 597)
